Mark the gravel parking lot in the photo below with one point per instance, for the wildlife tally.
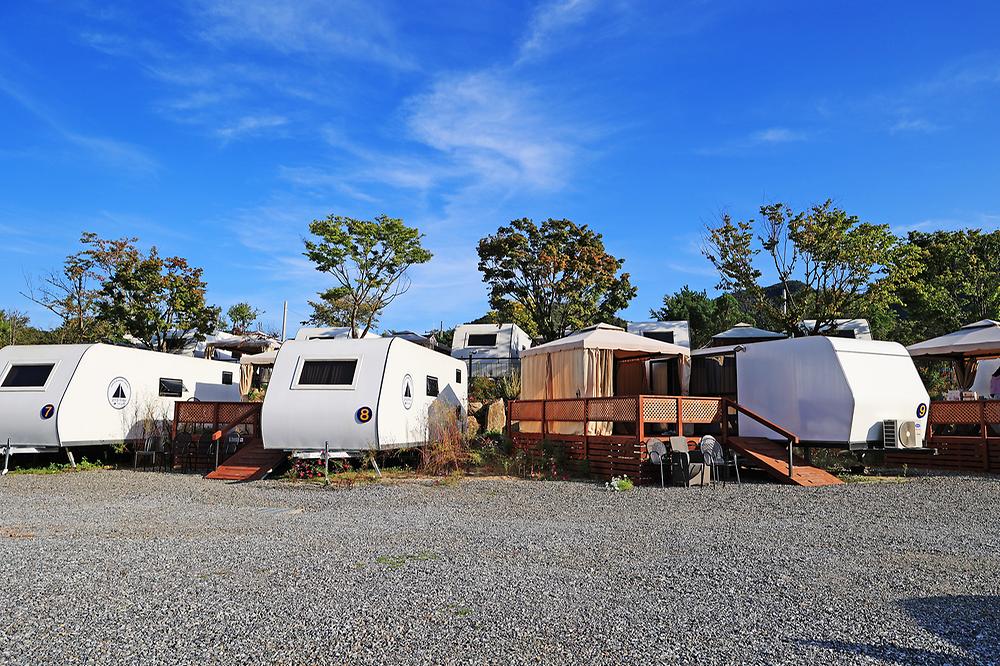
(129, 567)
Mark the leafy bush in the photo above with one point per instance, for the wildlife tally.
(619, 484)
(447, 450)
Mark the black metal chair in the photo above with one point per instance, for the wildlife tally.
(685, 463)
(658, 456)
(715, 457)
(146, 452)
(182, 446)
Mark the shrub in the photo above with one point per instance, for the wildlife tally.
(447, 450)
(619, 484)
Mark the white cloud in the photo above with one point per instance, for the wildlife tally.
(549, 21)
(918, 125)
(251, 125)
(350, 28)
(775, 135)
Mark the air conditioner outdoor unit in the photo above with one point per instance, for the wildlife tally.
(906, 434)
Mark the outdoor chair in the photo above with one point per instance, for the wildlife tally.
(165, 451)
(686, 464)
(146, 452)
(714, 456)
(182, 447)
(658, 456)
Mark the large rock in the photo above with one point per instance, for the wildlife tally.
(494, 416)
(471, 426)
(475, 407)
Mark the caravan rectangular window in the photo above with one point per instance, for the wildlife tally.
(482, 340)
(28, 375)
(432, 385)
(458, 376)
(327, 373)
(227, 378)
(661, 336)
(171, 388)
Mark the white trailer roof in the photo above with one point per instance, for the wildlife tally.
(606, 336)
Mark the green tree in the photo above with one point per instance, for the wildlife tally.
(147, 296)
(242, 316)
(552, 277)
(846, 267)
(958, 283)
(71, 294)
(706, 316)
(368, 260)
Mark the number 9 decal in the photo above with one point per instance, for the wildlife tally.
(921, 410)
(363, 415)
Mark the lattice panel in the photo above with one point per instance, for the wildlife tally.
(195, 412)
(613, 409)
(526, 410)
(955, 412)
(564, 410)
(701, 411)
(659, 410)
(239, 412)
(992, 409)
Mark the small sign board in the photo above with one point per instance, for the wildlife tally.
(119, 392)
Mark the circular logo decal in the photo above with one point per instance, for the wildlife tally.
(48, 411)
(119, 392)
(407, 392)
(363, 415)
(921, 410)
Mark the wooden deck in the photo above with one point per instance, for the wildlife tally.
(773, 459)
(251, 462)
(608, 435)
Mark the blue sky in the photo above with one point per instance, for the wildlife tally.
(217, 130)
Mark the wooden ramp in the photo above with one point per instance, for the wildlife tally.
(251, 462)
(773, 458)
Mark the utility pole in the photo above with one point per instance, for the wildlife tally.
(284, 320)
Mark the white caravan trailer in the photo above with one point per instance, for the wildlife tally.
(829, 391)
(674, 332)
(63, 396)
(336, 333)
(491, 350)
(358, 395)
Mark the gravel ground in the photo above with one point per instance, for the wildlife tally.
(131, 567)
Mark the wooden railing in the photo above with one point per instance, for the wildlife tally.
(966, 435)
(216, 417)
(620, 452)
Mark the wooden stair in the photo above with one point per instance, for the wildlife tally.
(251, 462)
(773, 458)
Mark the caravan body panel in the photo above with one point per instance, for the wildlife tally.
(368, 412)
(102, 394)
(489, 341)
(829, 391)
(674, 332)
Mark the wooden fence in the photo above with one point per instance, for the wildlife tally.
(199, 417)
(966, 435)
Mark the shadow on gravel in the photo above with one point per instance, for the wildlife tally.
(970, 623)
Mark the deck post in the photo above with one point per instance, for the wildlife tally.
(680, 417)
(545, 425)
(791, 455)
(586, 430)
(984, 433)
(640, 425)
(724, 404)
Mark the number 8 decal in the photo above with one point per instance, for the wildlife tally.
(363, 415)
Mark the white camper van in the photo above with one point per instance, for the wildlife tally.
(62, 396)
(674, 332)
(358, 395)
(829, 391)
(490, 350)
(335, 333)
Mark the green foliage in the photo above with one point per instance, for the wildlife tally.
(705, 316)
(619, 484)
(58, 468)
(368, 260)
(958, 283)
(483, 389)
(15, 329)
(242, 316)
(829, 264)
(552, 277)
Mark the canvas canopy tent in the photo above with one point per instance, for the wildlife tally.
(259, 364)
(600, 361)
(964, 347)
(742, 334)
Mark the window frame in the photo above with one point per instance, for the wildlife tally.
(427, 386)
(227, 374)
(159, 386)
(458, 375)
(48, 380)
(469, 343)
(653, 335)
(302, 360)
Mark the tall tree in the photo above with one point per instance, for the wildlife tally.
(147, 296)
(847, 267)
(368, 260)
(706, 316)
(552, 277)
(242, 316)
(71, 293)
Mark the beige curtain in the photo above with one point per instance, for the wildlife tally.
(246, 378)
(965, 372)
(600, 383)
